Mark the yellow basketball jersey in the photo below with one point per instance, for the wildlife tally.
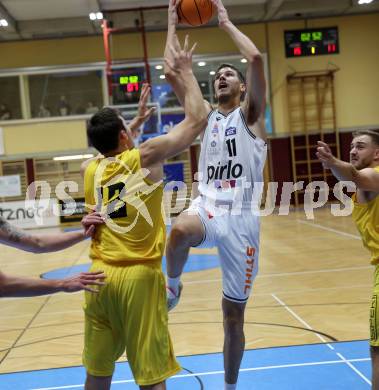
(366, 217)
(134, 229)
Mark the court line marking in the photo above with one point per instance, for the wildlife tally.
(282, 292)
(316, 225)
(322, 339)
(320, 363)
(327, 270)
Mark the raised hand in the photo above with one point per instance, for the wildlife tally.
(223, 17)
(181, 58)
(325, 155)
(144, 112)
(83, 281)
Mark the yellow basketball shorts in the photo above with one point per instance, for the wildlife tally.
(129, 314)
(374, 322)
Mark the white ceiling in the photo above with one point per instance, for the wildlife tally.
(36, 19)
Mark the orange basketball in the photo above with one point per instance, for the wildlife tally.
(195, 12)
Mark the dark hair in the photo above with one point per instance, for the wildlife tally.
(373, 134)
(239, 73)
(103, 129)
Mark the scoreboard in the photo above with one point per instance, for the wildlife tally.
(127, 84)
(311, 42)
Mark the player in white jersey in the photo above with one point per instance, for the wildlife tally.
(232, 158)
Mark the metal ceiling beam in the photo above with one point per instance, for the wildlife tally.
(4, 14)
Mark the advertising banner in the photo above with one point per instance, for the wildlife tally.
(10, 186)
(31, 214)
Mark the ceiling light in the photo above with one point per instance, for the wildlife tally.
(162, 76)
(244, 60)
(3, 23)
(201, 63)
(212, 72)
(99, 16)
(92, 16)
(159, 67)
(361, 2)
(73, 157)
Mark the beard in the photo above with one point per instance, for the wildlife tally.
(362, 163)
(223, 99)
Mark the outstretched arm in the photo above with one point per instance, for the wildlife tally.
(43, 243)
(182, 135)
(172, 40)
(366, 179)
(143, 113)
(13, 286)
(255, 101)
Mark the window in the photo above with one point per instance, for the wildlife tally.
(10, 104)
(63, 94)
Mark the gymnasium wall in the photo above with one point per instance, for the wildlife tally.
(44, 137)
(356, 83)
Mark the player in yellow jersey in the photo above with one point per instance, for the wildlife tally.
(363, 170)
(125, 185)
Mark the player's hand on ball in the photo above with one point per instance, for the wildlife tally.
(173, 12)
(223, 17)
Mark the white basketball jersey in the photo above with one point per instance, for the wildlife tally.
(232, 159)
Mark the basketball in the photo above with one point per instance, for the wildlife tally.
(195, 12)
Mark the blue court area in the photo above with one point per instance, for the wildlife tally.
(333, 366)
(194, 263)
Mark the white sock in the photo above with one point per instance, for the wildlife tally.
(173, 284)
(230, 387)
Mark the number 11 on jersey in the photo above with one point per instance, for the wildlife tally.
(232, 148)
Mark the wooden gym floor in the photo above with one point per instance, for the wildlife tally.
(314, 285)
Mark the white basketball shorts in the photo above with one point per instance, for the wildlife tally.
(237, 240)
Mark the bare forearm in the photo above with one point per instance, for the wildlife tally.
(344, 171)
(184, 133)
(193, 103)
(56, 242)
(195, 114)
(11, 286)
(243, 43)
(36, 243)
(136, 123)
(171, 77)
(170, 40)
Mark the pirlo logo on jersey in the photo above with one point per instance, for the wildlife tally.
(217, 172)
(229, 170)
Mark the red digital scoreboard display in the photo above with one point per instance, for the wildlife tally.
(311, 42)
(131, 82)
(127, 84)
